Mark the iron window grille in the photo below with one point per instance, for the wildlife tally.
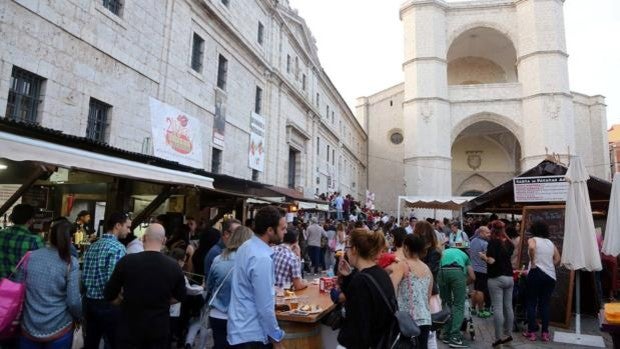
(216, 160)
(114, 6)
(24, 95)
(258, 100)
(222, 72)
(261, 29)
(197, 52)
(97, 120)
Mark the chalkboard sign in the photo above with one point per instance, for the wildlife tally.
(562, 298)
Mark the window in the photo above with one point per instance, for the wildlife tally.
(327, 111)
(258, 100)
(114, 6)
(396, 138)
(333, 156)
(216, 160)
(226, 2)
(318, 146)
(288, 63)
(333, 117)
(222, 72)
(292, 168)
(255, 175)
(97, 120)
(198, 47)
(391, 103)
(328, 153)
(317, 99)
(24, 96)
(261, 29)
(296, 68)
(303, 82)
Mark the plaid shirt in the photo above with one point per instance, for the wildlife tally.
(15, 241)
(99, 263)
(286, 264)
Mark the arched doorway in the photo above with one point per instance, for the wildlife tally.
(482, 55)
(484, 155)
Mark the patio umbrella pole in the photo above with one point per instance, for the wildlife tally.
(578, 303)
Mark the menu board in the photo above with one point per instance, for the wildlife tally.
(540, 189)
(562, 297)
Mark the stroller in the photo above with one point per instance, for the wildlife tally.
(441, 318)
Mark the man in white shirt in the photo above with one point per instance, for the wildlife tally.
(411, 226)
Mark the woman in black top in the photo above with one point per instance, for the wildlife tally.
(368, 317)
(500, 280)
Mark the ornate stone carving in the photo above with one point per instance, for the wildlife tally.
(474, 159)
(553, 107)
(426, 110)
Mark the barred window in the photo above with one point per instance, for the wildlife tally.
(97, 120)
(303, 82)
(216, 160)
(222, 72)
(114, 6)
(198, 46)
(258, 100)
(261, 30)
(24, 95)
(255, 175)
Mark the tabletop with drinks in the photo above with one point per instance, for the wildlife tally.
(308, 305)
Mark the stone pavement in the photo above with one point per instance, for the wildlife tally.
(485, 336)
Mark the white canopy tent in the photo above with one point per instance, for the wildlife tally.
(448, 203)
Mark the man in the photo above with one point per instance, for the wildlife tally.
(346, 206)
(228, 226)
(481, 295)
(251, 316)
(457, 238)
(146, 284)
(99, 262)
(455, 269)
(439, 232)
(410, 228)
(81, 224)
(339, 204)
(15, 241)
(314, 234)
(287, 263)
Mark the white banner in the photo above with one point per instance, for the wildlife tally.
(539, 189)
(176, 135)
(257, 142)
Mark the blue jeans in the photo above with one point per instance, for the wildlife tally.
(339, 215)
(540, 287)
(63, 342)
(101, 322)
(315, 257)
(218, 326)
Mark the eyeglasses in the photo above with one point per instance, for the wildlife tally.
(347, 247)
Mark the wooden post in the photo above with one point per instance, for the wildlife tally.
(40, 171)
(166, 192)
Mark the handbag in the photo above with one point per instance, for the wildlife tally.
(205, 310)
(407, 329)
(12, 296)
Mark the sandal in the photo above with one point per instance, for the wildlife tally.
(497, 343)
(531, 336)
(507, 340)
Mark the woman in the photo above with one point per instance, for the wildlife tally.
(413, 281)
(367, 315)
(544, 256)
(207, 239)
(432, 255)
(341, 237)
(219, 278)
(53, 299)
(500, 281)
(514, 236)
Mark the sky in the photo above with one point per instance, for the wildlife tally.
(360, 45)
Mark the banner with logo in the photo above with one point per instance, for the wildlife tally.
(176, 135)
(257, 142)
(219, 122)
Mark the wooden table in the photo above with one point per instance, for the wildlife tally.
(305, 331)
(612, 329)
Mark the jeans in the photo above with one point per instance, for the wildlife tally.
(540, 286)
(453, 290)
(500, 289)
(63, 342)
(315, 257)
(101, 321)
(252, 345)
(218, 326)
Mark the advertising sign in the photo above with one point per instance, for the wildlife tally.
(176, 135)
(257, 142)
(540, 189)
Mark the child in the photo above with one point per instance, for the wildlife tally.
(175, 309)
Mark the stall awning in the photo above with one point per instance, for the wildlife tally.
(19, 148)
(453, 203)
(303, 205)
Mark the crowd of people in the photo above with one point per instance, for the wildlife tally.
(177, 284)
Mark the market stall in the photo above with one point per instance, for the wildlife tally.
(442, 203)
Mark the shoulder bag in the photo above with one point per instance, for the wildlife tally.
(12, 295)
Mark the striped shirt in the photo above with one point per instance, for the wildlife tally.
(99, 262)
(15, 241)
(287, 265)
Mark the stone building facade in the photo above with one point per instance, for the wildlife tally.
(485, 97)
(64, 59)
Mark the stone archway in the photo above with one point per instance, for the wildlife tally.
(484, 154)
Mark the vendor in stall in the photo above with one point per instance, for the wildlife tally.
(80, 227)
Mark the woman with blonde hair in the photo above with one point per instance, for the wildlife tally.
(219, 280)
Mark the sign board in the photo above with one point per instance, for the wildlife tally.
(540, 189)
(219, 122)
(176, 135)
(256, 156)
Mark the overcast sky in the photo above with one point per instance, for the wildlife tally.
(360, 45)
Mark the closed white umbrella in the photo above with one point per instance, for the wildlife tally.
(611, 245)
(580, 250)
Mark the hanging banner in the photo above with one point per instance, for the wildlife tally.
(540, 189)
(176, 135)
(257, 142)
(219, 122)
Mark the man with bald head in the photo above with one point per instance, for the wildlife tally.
(146, 283)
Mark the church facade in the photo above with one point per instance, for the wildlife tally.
(485, 97)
